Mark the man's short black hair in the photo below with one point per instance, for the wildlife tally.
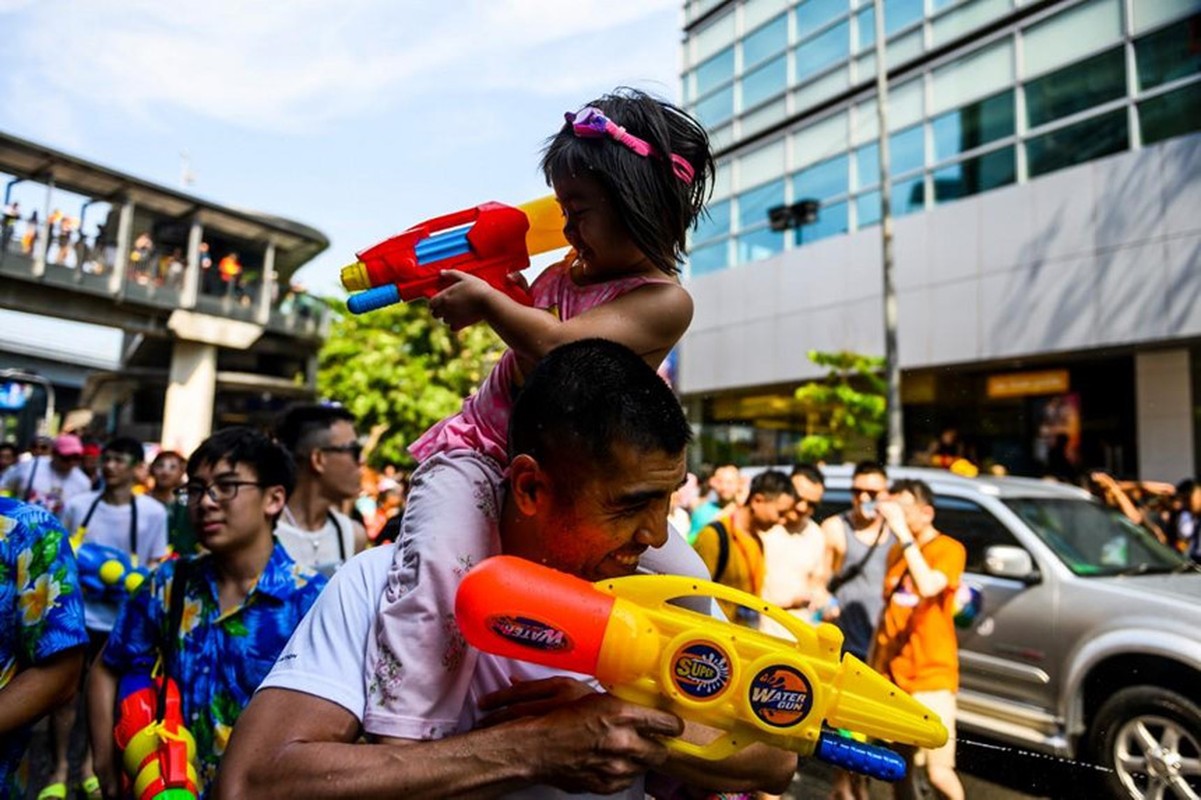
(810, 472)
(584, 397)
(272, 464)
(301, 426)
(9, 446)
(126, 445)
(771, 484)
(920, 490)
(868, 468)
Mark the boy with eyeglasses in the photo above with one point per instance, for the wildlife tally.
(241, 601)
(313, 529)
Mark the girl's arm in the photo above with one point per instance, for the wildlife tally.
(649, 320)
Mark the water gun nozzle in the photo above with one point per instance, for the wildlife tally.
(354, 277)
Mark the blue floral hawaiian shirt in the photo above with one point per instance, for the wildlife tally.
(41, 611)
(220, 658)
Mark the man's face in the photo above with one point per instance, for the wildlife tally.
(63, 463)
(725, 482)
(809, 496)
(602, 519)
(865, 489)
(240, 513)
(766, 511)
(342, 471)
(918, 516)
(8, 457)
(117, 468)
(167, 472)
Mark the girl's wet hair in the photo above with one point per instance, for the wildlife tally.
(656, 207)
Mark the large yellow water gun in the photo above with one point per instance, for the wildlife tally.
(646, 650)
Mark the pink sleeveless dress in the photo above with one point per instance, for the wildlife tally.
(482, 425)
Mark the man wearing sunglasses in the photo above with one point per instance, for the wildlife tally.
(240, 601)
(324, 445)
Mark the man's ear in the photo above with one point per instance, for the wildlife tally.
(527, 484)
(316, 459)
(274, 498)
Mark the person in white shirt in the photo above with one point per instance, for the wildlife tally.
(794, 554)
(312, 528)
(588, 486)
(117, 518)
(49, 481)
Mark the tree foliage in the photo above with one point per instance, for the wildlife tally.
(399, 371)
(851, 401)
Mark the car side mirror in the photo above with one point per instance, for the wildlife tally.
(1006, 561)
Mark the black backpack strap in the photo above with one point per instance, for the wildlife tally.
(175, 604)
(723, 549)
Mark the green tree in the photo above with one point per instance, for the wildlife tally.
(400, 371)
(851, 401)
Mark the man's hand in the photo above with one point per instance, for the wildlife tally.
(894, 516)
(600, 744)
(531, 699)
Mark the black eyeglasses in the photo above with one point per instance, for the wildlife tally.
(872, 494)
(353, 449)
(222, 491)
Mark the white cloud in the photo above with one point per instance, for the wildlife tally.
(302, 64)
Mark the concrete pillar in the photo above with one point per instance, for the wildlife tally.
(266, 286)
(192, 385)
(116, 281)
(1164, 411)
(191, 275)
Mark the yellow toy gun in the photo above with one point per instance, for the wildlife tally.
(644, 649)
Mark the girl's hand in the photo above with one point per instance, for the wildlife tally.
(463, 301)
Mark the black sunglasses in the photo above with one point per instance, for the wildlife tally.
(353, 449)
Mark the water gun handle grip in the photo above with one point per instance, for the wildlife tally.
(867, 759)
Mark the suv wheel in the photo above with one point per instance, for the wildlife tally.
(1150, 741)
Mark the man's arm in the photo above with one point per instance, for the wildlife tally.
(836, 545)
(38, 689)
(595, 744)
(101, 695)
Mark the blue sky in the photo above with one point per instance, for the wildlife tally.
(358, 117)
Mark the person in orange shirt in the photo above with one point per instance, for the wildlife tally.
(731, 546)
(915, 643)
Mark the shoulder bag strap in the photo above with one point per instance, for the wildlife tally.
(723, 549)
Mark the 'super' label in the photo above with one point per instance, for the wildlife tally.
(529, 633)
(701, 670)
(781, 696)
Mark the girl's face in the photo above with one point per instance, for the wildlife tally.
(593, 228)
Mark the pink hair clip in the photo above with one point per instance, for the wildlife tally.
(591, 123)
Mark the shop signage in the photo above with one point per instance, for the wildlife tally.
(1021, 384)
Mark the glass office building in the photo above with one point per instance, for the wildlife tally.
(1021, 135)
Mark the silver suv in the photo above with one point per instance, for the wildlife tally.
(1087, 643)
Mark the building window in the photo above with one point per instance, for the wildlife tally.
(866, 23)
(867, 166)
(766, 42)
(975, 175)
(908, 196)
(813, 15)
(1075, 32)
(765, 82)
(715, 72)
(753, 205)
(906, 150)
(867, 209)
(1170, 54)
(900, 14)
(1089, 83)
(823, 51)
(979, 74)
(716, 108)
(831, 221)
(715, 223)
(1172, 114)
(710, 258)
(1075, 144)
(761, 244)
(972, 126)
(824, 179)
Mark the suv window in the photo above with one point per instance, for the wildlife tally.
(972, 526)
